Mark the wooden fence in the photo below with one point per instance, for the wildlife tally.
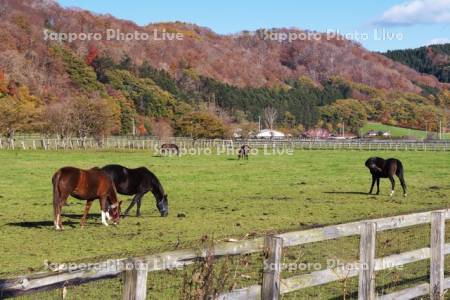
(187, 144)
(135, 278)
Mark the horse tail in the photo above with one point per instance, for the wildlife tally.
(114, 192)
(56, 192)
(400, 175)
(399, 171)
(56, 197)
(156, 187)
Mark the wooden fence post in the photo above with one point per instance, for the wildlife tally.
(272, 268)
(135, 280)
(437, 255)
(366, 289)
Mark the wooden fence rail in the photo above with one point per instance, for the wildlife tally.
(271, 246)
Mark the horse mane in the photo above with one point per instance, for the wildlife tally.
(158, 190)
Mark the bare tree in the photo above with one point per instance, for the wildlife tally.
(162, 128)
(57, 120)
(90, 117)
(270, 117)
(81, 117)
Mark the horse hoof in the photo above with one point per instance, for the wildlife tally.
(404, 195)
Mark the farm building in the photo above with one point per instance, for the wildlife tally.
(270, 134)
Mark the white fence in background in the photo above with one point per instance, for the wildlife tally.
(189, 143)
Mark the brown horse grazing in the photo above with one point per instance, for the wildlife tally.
(169, 148)
(243, 152)
(380, 168)
(85, 185)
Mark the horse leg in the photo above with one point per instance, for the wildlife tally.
(138, 207)
(87, 207)
(391, 178)
(56, 212)
(133, 203)
(373, 183)
(378, 185)
(56, 203)
(403, 183)
(57, 215)
(104, 210)
(57, 208)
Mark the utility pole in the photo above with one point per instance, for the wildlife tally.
(440, 129)
(259, 123)
(134, 128)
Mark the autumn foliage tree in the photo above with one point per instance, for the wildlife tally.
(20, 111)
(201, 124)
(349, 112)
(91, 55)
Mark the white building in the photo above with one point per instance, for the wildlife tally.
(270, 134)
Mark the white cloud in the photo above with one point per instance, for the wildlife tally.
(437, 41)
(417, 12)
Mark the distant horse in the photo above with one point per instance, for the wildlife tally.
(243, 152)
(169, 148)
(380, 168)
(85, 185)
(138, 182)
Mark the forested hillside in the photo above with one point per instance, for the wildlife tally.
(204, 85)
(434, 60)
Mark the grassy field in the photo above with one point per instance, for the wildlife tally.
(218, 195)
(398, 131)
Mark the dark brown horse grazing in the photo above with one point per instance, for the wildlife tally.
(243, 152)
(138, 182)
(169, 148)
(380, 168)
(85, 185)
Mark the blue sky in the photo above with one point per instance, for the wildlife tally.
(378, 24)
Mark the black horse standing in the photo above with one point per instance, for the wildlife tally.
(138, 182)
(380, 168)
